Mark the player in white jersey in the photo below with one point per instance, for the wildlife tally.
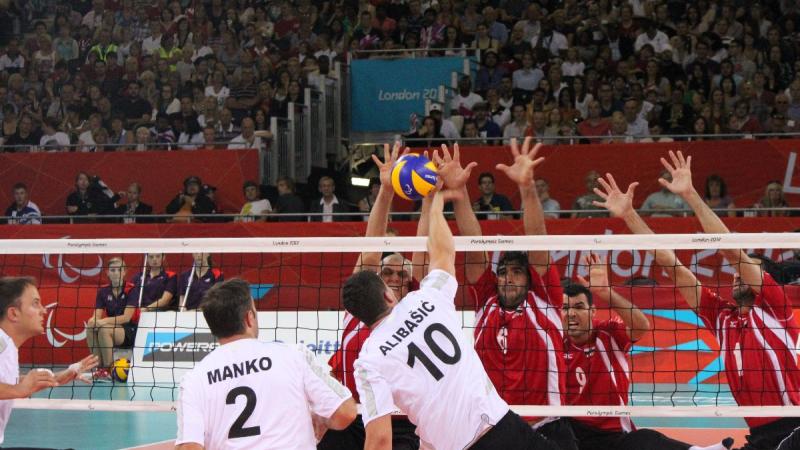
(418, 359)
(21, 318)
(248, 394)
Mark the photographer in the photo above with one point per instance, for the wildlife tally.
(90, 198)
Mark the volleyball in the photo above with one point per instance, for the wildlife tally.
(119, 371)
(414, 176)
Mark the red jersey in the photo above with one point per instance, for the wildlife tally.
(598, 373)
(758, 349)
(354, 334)
(522, 350)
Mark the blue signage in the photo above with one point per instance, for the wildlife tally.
(386, 92)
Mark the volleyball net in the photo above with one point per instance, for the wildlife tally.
(675, 368)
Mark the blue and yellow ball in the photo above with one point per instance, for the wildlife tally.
(119, 370)
(414, 176)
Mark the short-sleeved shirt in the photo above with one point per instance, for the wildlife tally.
(418, 359)
(154, 288)
(114, 305)
(598, 373)
(353, 337)
(27, 215)
(249, 394)
(9, 374)
(522, 350)
(199, 286)
(758, 349)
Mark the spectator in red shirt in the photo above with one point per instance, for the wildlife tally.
(594, 125)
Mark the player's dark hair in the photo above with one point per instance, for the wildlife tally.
(20, 185)
(225, 307)
(574, 289)
(485, 175)
(11, 289)
(363, 296)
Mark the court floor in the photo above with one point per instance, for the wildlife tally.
(99, 430)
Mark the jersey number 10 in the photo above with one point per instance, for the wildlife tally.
(415, 353)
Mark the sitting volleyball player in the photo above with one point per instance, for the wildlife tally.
(418, 359)
(398, 274)
(756, 329)
(22, 318)
(597, 366)
(248, 394)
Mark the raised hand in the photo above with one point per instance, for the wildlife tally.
(525, 161)
(598, 272)
(390, 157)
(681, 171)
(450, 170)
(614, 200)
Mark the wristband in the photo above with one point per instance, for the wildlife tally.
(75, 367)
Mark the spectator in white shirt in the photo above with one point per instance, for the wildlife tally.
(551, 39)
(12, 61)
(637, 127)
(572, 66)
(53, 140)
(255, 208)
(446, 126)
(152, 43)
(653, 36)
(528, 76)
(463, 102)
(550, 206)
(249, 138)
(518, 125)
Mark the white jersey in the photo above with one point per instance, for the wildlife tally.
(419, 359)
(9, 374)
(249, 394)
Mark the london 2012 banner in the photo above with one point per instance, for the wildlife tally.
(386, 92)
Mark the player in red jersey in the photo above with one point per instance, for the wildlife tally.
(757, 332)
(401, 276)
(596, 353)
(518, 332)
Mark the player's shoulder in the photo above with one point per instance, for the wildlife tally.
(439, 280)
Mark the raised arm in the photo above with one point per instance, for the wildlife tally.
(455, 179)
(636, 323)
(680, 168)
(441, 248)
(379, 215)
(521, 172)
(419, 260)
(620, 205)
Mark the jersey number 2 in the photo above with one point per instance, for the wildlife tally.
(414, 352)
(237, 429)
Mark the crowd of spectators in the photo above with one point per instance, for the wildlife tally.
(160, 74)
(192, 73)
(612, 70)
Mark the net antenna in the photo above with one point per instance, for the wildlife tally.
(141, 283)
(185, 296)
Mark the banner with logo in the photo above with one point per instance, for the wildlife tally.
(386, 92)
(50, 177)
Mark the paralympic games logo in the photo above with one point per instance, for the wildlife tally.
(51, 331)
(68, 272)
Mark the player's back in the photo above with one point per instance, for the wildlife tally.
(251, 394)
(419, 354)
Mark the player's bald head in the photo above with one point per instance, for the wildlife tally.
(363, 296)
